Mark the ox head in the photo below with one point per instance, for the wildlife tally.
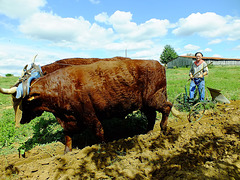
(24, 106)
(29, 107)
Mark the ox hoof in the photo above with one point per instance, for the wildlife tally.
(164, 131)
(168, 131)
(67, 149)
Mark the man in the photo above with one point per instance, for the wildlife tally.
(197, 72)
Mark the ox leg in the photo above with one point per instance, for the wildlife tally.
(165, 113)
(68, 142)
(159, 102)
(97, 128)
(151, 117)
(99, 131)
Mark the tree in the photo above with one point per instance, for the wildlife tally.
(168, 54)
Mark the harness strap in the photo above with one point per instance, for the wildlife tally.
(24, 82)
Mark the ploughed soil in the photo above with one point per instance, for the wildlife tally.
(207, 149)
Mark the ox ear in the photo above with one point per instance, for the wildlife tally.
(17, 105)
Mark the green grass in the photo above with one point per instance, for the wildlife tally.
(6, 82)
(225, 79)
(45, 129)
(40, 131)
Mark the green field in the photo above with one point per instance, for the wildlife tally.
(45, 129)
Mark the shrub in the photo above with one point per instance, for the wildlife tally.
(9, 75)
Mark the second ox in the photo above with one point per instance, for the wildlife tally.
(83, 95)
(46, 69)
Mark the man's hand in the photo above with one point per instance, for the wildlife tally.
(191, 76)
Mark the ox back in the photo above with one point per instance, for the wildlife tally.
(75, 61)
(83, 95)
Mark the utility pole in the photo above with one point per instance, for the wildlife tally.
(125, 52)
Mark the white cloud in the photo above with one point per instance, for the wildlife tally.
(237, 48)
(128, 30)
(121, 22)
(152, 53)
(207, 50)
(118, 46)
(191, 47)
(233, 29)
(70, 32)
(120, 18)
(217, 55)
(199, 23)
(209, 25)
(95, 1)
(79, 33)
(55, 32)
(215, 41)
(20, 8)
(13, 63)
(102, 18)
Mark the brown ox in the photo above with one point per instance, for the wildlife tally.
(49, 68)
(83, 95)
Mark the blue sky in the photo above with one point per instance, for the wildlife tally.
(56, 29)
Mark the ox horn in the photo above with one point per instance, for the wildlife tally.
(8, 91)
(33, 61)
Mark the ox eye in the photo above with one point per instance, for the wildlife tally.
(31, 98)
